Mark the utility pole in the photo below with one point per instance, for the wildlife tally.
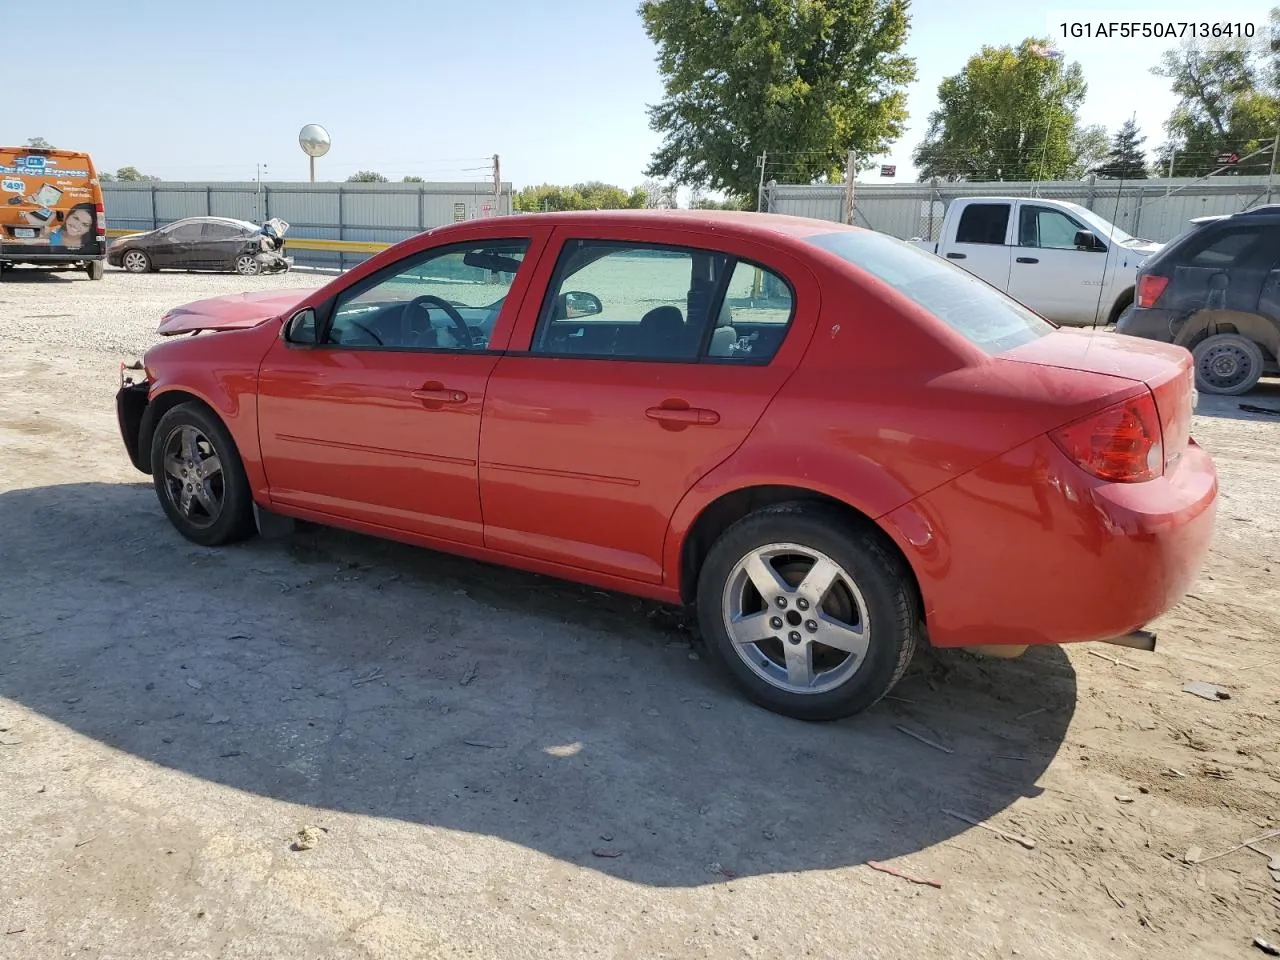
(849, 172)
(1271, 174)
(262, 168)
(761, 161)
(497, 186)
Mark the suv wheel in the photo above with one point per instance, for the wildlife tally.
(1227, 363)
(811, 615)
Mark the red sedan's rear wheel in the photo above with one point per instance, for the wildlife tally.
(199, 478)
(813, 616)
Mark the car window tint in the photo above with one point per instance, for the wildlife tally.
(983, 223)
(1047, 229)
(221, 231)
(753, 318)
(1223, 249)
(974, 309)
(185, 231)
(439, 300)
(646, 302)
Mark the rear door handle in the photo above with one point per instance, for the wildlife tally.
(955, 256)
(440, 395)
(682, 415)
(1028, 260)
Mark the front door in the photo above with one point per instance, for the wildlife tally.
(1050, 274)
(648, 363)
(371, 413)
(176, 245)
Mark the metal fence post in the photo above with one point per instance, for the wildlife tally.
(422, 205)
(155, 220)
(342, 257)
(1093, 191)
(208, 201)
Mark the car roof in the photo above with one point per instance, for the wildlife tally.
(762, 225)
(204, 219)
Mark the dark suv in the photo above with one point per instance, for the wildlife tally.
(1215, 289)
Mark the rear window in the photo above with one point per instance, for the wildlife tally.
(973, 308)
(1223, 249)
(983, 223)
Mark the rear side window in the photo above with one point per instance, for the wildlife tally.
(983, 223)
(1222, 249)
(973, 308)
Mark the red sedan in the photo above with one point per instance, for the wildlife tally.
(834, 445)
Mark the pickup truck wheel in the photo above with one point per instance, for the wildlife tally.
(811, 615)
(199, 477)
(1228, 364)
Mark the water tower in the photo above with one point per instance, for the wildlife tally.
(314, 141)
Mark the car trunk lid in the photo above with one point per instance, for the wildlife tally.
(232, 312)
(1165, 369)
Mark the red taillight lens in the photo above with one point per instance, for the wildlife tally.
(102, 220)
(1122, 443)
(1149, 289)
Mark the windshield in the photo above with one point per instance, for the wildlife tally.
(973, 308)
(1104, 229)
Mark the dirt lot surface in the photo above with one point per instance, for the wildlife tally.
(502, 765)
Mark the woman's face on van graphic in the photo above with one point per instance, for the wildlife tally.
(77, 224)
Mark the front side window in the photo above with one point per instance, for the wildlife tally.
(983, 223)
(438, 300)
(184, 231)
(1047, 229)
(974, 309)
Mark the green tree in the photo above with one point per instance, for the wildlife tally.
(1089, 146)
(413, 179)
(1012, 113)
(366, 176)
(812, 79)
(1228, 102)
(134, 175)
(40, 143)
(593, 195)
(728, 203)
(1125, 160)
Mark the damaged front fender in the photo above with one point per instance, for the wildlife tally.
(132, 403)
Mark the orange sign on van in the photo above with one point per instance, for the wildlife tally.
(51, 208)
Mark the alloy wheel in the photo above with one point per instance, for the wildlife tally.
(796, 618)
(193, 480)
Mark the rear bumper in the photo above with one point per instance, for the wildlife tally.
(1148, 323)
(1028, 549)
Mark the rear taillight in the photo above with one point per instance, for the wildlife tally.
(1122, 443)
(102, 220)
(1149, 289)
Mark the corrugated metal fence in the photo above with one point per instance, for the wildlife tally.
(382, 212)
(1144, 208)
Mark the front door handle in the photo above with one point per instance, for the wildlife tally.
(1028, 260)
(682, 415)
(956, 256)
(439, 395)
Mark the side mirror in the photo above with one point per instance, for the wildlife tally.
(1085, 240)
(301, 328)
(579, 304)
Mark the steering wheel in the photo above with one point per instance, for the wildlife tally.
(425, 302)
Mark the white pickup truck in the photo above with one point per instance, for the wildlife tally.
(1060, 259)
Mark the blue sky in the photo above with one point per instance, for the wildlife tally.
(557, 88)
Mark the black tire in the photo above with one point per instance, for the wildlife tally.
(233, 520)
(96, 269)
(137, 261)
(886, 587)
(1227, 364)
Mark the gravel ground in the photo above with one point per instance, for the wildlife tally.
(502, 765)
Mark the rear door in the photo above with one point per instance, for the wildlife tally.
(220, 244)
(1049, 273)
(980, 242)
(595, 426)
